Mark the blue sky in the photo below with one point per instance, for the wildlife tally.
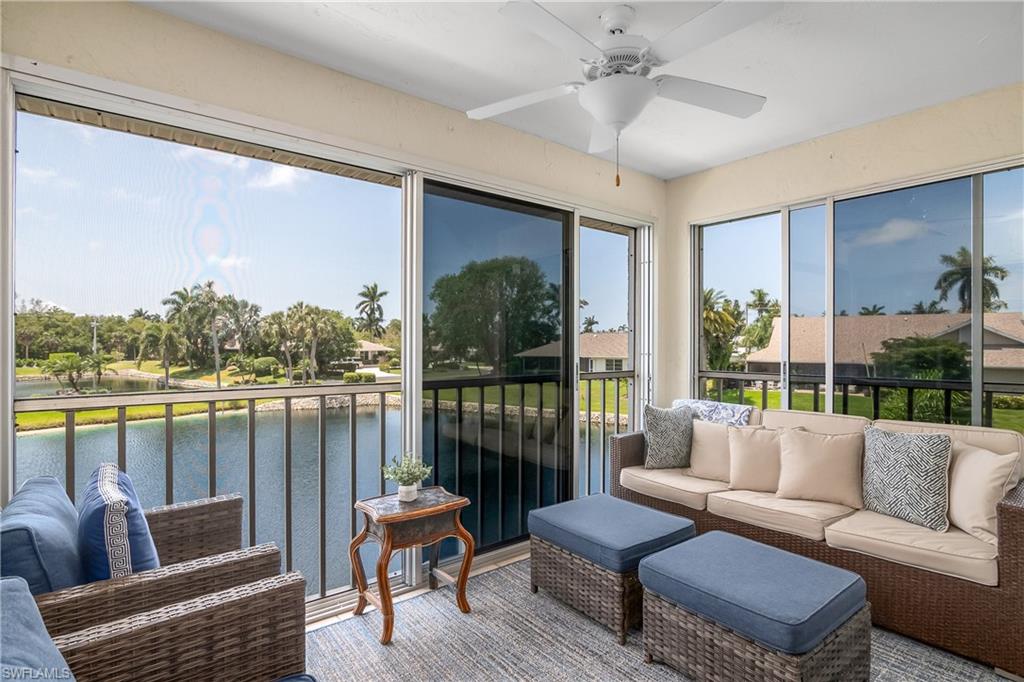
(108, 222)
(887, 247)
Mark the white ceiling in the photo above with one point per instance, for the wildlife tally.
(823, 66)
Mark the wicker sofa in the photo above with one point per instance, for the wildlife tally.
(211, 611)
(979, 621)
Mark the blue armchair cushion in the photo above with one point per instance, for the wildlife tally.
(113, 536)
(607, 531)
(26, 650)
(783, 601)
(39, 537)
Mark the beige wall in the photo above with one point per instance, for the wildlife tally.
(136, 45)
(978, 129)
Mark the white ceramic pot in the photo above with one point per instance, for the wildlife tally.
(407, 493)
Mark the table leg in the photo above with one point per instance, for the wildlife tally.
(357, 569)
(387, 608)
(435, 553)
(467, 562)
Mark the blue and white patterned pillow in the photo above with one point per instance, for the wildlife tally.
(719, 413)
(113, 536)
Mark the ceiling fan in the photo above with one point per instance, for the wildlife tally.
(616, 68)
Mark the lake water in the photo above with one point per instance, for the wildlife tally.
(49, 387)
(42, 453)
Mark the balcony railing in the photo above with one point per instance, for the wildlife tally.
(761, 385)
(300, 455)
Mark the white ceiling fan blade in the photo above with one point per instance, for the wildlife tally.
(709, 96)
(551, 28)
(602, 138)
(718, 22)
(520, 101)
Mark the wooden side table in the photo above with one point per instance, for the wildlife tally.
(430, 518)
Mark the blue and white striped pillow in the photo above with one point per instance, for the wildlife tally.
(719, 413)
(113, 536)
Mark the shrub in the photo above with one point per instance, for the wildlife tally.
(408, 471)
(265, 366)
(385, 365)
(367, 378)
(350, 378)
(1008, 402)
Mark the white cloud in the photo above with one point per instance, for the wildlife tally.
(45, 176)
(229, 262)
(893, 231)
(119, 194)
(277, 177)
(211, 156)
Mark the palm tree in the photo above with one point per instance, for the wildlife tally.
(717, 318)
(370, 310)
(919, 308)
(160, 339)
(68, 365)
(958, 276)
(185, 309)
(589, 324)
(276, 329)
(242, 319)
(875, 309)
(213, 311)
(97, 364)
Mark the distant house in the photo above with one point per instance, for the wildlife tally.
(599, 352)
(858, 336)
(371, 353)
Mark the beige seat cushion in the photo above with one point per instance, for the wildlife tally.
(823, 467)
(754, 453)
(814, 421)
(954, 552)
(978, 479)
(709, 450)
(799, 517)
(673, 485)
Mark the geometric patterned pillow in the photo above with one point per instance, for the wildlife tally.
(719, 413)
(668, 437)
(906, 475)
(113, 536)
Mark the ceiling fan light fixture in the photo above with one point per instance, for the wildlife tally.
(617, 100)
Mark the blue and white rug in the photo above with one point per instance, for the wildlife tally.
(513, 634)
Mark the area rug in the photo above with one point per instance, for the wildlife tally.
(513, 634)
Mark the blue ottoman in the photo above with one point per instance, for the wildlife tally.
(724, 607)
(585, 553)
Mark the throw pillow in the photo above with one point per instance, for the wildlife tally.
(906, 476)
(669, 433)
(26, 650)
(113, 536)
(978, 479)
(720, 413)
(754, 458)
(709, 454)
(822, 467)
(39, 536)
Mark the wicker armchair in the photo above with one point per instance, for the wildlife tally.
(213, 610)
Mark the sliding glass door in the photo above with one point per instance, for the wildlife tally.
(497, 356)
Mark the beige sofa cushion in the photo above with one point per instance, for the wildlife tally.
(954, 552)
(814, 421)
(672, 485)
(978, 479)
(822, 467)
(709, 451)
(753, 458)
(800, 517)
(999, 441)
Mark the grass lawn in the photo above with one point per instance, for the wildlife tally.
(28, 371)
(228, 377)
(32, 421)
(492, 395)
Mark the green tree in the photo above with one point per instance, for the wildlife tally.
(958, 276)
(66, 365)
(874, 309)
(492, 309)
(911, 356)
(213, 308)
(98, 363)
(371, 312)
(243, 319)
(186, 309)
(277, 331)
(757, 334)
(722, 323)
(589, 324)
(919, 308)
(161, 340)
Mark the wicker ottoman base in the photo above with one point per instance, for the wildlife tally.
(613, 599)
(704, 650)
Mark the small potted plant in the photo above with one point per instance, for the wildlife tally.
(407, 474)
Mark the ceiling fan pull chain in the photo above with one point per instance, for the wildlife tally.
(617, 181)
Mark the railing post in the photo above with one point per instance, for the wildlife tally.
(501, 462)
(521, 467)
(586, 434)
(846, 398)
(910, 403)
(69, 453)
(289, 539)
(947, 406)
(321, 456)
(211, 430)
(251, 442)
(876, 392)
(169, 454)
(764, 394)
(122, 439)
(353, 476)
(604, 414)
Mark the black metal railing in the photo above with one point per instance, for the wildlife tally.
(763, 384)
(621, 420)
